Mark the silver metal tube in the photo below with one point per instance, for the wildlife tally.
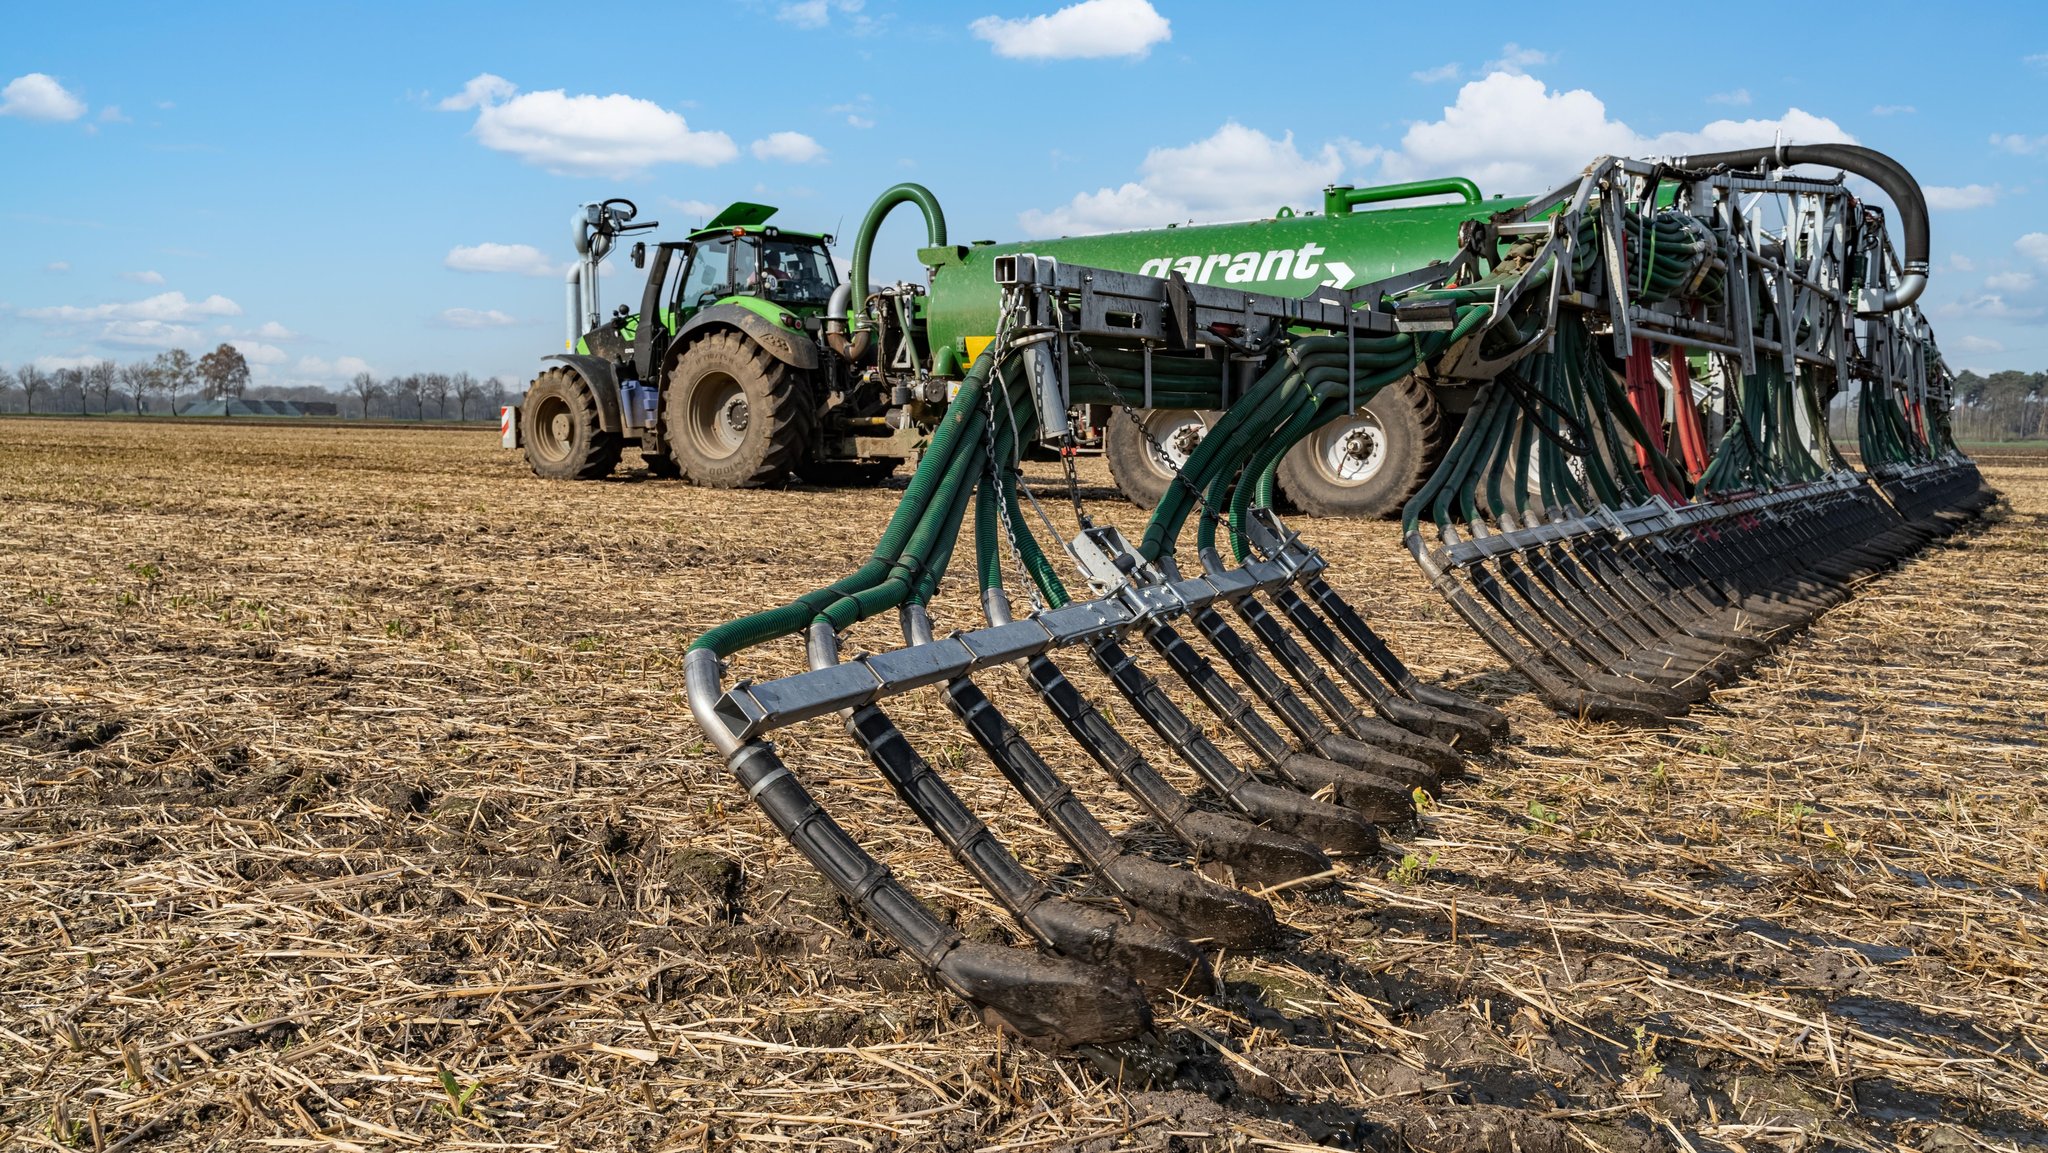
(917, 624)
(574, 283)
(1910, 287)
(701, 672)
(822, 644)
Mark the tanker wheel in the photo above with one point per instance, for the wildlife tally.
(563, 440)
(1144, 454)
(1369, 463)
(735, 416)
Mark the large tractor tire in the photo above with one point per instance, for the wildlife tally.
(563, 440)
(1144, 454)
(1368, 464)
(735, 416)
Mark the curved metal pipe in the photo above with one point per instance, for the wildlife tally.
(856, 350)
(1872, 165)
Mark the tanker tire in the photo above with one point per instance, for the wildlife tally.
(1410, 434)
(563, 440)
(736, 417)
(1126, 444)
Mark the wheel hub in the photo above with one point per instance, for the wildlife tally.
(1354, 450)
(1171, 437)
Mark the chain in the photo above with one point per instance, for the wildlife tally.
(995, 467)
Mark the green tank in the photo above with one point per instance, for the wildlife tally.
(1366, 465)
(1287, 254)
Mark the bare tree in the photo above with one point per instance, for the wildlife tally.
(138, 378)
(32, 380)
(6, 380)
(497, 395)
(174, 373)
(467, 390)
(404, 388)
(69, 383)
(436, 385)
(225, 371)
(99, 377)
(365, 387)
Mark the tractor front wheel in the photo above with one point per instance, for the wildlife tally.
(563, 440)
(736, 417)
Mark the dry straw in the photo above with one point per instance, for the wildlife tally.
(348, 800)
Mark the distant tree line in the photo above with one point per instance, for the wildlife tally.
(2002, 406)
(173, 381)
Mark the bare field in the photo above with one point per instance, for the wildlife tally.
(348, 800)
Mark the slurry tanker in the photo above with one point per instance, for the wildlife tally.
(1641, 500)
(763, 365)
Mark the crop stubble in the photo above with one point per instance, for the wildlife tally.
(348, 798)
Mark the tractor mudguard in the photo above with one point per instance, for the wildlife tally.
(794, 349)
(602, 381)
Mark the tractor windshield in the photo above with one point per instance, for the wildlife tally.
(797, 272)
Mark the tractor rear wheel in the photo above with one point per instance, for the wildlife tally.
(735, 416)
(1144, 454)
(563, 440)
(1369, 463)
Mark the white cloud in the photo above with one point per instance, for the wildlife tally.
(1988, 306)
(1437, 75)
(856, 120)
(585, 135)
(524, 259)
(260, 355)
(1961, 263)
(697, 210)
(146, 276)
(163, 307)
(1087, 30)
(788, 147)
(59, 363)
(272, 330)
(2037, 60)
(2009, 281)
(1893, 110)
(816, 13)
(39, 97)
(1236, 173)
(111, 114)
(1513, 134)
(1974, 343)
(150, 334)
(476, 318)
(1739, 98)
(2034, 246)
(483, 88)
(2019, 144)
(1515, 59)
(1946, 198)
(57, 266)
(340, 367)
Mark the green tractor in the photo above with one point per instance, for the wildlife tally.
(735, 386)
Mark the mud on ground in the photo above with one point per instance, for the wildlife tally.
(348, 799)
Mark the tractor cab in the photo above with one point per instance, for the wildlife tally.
(739, 255)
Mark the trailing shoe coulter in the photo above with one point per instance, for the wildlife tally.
(1641, 500)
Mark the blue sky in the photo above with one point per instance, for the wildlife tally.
(388, 186)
